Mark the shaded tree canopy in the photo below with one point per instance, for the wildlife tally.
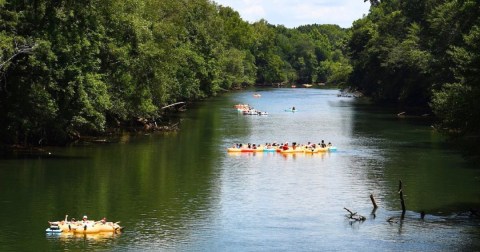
(421, 53)
(78, 67)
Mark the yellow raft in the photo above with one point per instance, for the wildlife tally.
(87, 227)
(96, 227)
(303, 149)
(96, 236)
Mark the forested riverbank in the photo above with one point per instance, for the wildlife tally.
(70, 68)
(422, 53)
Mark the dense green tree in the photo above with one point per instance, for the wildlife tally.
(419, 53)
(57, 87)
(73, 67)
(237, 59)
(457, 103)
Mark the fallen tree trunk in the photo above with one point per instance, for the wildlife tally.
(171, 105)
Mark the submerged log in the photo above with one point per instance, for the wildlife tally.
(375, 206)
(402, 200)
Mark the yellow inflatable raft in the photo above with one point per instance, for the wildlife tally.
(299, 149)
(87, 226)
(234, 149)
(96, 236)
(320, 149)
(92, 227)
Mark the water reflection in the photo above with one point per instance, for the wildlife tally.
(184, 192)
(70, 241)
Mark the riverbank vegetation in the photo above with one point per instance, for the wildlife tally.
(70, 68)
(422, 53)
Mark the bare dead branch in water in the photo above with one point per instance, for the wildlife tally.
(354, 216)
(375, 206)
(402, 201)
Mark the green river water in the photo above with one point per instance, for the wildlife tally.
(182, 191)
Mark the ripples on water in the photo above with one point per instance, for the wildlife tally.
(184, 192)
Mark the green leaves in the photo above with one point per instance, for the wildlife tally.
(458, 104)
(92, 102)
(422, 52)
(453, 104)
(91, 64)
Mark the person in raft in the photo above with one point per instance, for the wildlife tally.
(285, 146)
(323, 144)
(85, 222)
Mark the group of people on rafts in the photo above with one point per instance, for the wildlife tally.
(283, 147)
(248, 110)
(84, 226)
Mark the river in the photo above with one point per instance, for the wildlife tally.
(182, 191)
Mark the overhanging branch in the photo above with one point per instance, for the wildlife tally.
(19, 49)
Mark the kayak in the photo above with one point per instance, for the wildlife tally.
(291, 110)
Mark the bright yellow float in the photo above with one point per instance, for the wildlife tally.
(84, 226)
